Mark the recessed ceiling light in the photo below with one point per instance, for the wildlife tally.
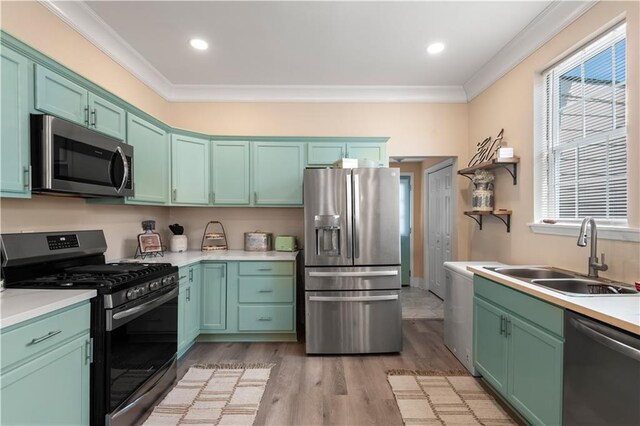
(435, 48)
(199, 44)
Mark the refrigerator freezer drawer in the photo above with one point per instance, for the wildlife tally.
(353, 278)
(353, 322)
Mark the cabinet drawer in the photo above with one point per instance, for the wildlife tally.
(266, 268)
(43, 334)
(265, 290)
(265, 318)
(528, 307)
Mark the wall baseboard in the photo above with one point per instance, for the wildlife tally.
(418, 282)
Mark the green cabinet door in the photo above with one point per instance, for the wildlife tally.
(151, 161)
(535, 373)
(192, 323)
(325, 154)
(107, 118)
(14, 125)
(189, 170)
(52, 389)
(213, 314)
(182, 317)
(368, 151)
(490, 343)
(60, 97)
(230, 173)
(277, 173)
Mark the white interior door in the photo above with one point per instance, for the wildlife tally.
(439, 227)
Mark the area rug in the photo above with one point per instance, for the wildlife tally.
(444, 398)
(214, 394)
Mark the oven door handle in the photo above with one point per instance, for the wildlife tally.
(119, 318)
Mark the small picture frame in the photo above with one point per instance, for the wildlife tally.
(149, 243)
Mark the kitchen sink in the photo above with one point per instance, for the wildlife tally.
(533, 273)
(582, 286)
(565, 282)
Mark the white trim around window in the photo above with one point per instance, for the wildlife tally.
(605, 232)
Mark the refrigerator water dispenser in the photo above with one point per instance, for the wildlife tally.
(327, 235)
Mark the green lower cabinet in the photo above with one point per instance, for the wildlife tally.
(192, 322)
(490, 344)
(266, 318)
(50, 390)
(535, 373)
(14, 128)
(213, 314)
(182, 320)
(518, 349)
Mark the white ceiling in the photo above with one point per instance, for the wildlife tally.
(270, 46)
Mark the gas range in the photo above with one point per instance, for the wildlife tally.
(134, 319)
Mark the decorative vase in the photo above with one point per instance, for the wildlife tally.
(178, 243)
(482, 194)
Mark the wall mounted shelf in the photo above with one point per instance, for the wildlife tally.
(503, 215)
(509, 164)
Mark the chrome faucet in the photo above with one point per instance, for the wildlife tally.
(594, 266)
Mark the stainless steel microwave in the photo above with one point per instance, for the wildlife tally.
(72, 160)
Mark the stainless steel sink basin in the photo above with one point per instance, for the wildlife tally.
(582, 286)
(533, 273)
(563, 281)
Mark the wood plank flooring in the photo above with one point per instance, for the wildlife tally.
(331, 390)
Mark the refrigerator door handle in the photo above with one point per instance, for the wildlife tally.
(356, 216)
(393, 273)
(389, 297)
(349, 217)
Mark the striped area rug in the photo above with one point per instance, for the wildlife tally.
(449, 398)
(214, 394)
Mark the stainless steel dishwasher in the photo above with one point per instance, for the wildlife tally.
(601, 373)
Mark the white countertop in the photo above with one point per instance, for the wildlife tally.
(189, 257)
(622, 311)
(18, 305)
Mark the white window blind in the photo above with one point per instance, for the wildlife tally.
(582, 165)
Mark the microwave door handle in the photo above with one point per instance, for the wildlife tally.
(125, 175)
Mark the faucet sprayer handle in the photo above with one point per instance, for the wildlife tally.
(603, 266)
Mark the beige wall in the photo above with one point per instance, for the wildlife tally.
(509, 104)
(121, 224)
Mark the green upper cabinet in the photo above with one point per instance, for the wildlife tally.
(325, 154)
(106, 117)
(189, 170)
(230, 173)
(58, 96)
(277, 173)
(14, 128)
(368, 151)
(151, 161)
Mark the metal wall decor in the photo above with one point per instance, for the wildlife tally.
(487, 149)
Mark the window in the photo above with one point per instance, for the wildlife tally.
(582, 159)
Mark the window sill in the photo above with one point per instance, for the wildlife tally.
(606, 232)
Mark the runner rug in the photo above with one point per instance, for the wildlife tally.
(444, 398)
(214, 394)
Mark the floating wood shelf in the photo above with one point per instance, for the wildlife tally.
(509, 164)
(503, 215)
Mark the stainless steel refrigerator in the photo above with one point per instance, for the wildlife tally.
(352, 261)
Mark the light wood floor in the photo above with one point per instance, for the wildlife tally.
(331, 390)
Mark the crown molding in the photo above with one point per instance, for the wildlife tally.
(85, 21)
(553, 19)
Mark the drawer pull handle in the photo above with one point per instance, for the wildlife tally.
(183, 277)
(49, 335)
(265, 269)
(265, 291)
(265, 319)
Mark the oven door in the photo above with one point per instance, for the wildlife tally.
(141, 345)
(74, 159)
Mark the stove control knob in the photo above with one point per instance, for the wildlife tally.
(154, 285)
(165, 281)
(131, 295)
